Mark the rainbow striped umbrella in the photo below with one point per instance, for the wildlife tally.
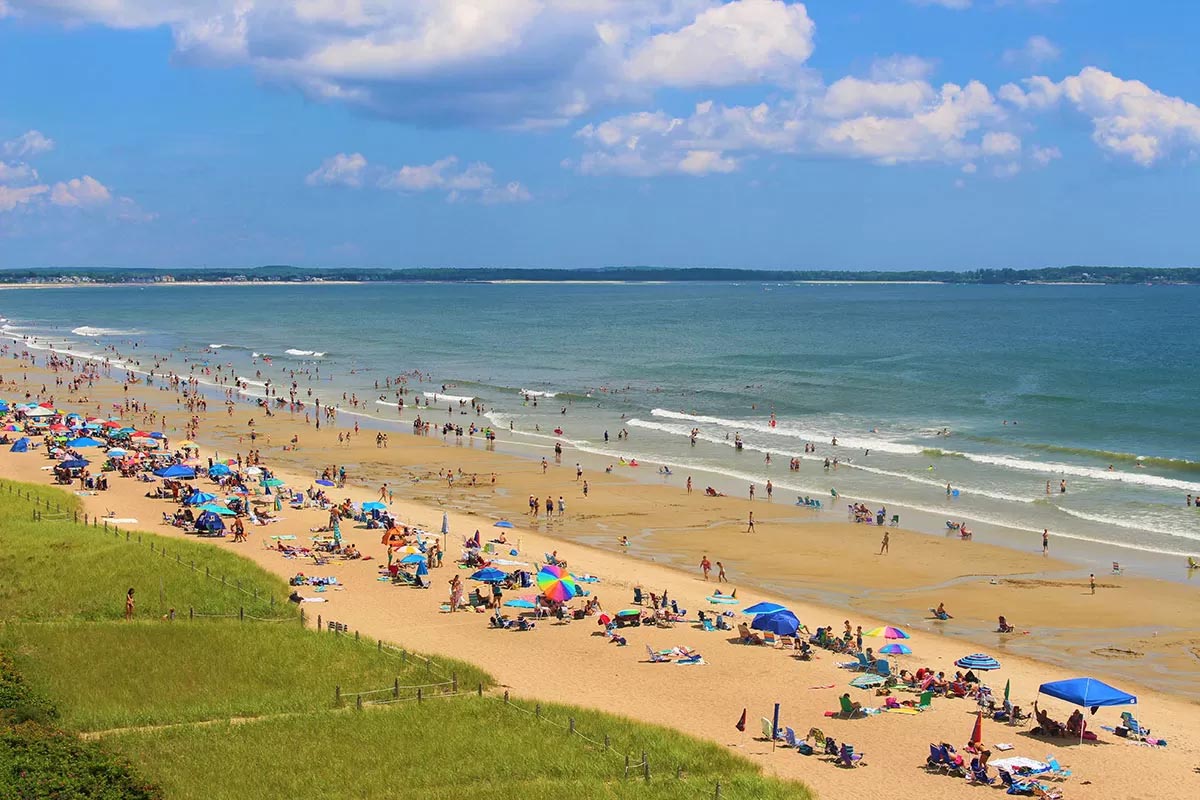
(556, 583)
(888, 632)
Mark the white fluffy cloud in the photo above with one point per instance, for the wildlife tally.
(1036, 51)
(886, 122)
(745, 41)
(30, 143)
(80, 192)
(1128, 118)
(525, 63)
(22, 187)
(475, 181)
(339, 169)
(1044, 155)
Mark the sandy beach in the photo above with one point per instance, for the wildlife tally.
(1136, 633)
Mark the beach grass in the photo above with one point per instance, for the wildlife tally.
(105, 675)
(448, 748)
(57, 569)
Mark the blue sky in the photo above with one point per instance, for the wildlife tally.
(561, 133)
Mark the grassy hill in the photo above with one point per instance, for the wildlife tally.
(241, 704)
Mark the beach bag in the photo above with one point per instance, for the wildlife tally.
(805, 749)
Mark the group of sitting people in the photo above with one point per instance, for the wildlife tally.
(1075, 727)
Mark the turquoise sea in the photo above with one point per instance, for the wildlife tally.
(1095, 385)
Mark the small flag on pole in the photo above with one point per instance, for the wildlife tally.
(741, 723)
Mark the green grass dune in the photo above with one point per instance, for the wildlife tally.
(216, 707)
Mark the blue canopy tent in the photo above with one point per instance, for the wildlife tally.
(176, 471)
(20, 445)
(783, 623)
(1089, 693)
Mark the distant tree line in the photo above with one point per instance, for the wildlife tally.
(1072, 274)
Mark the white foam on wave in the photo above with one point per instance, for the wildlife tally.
(1057, 468)
(291, 351)
(437, 397)
(87, 330)
(535, 393)
(786, 429)
(1158, 527)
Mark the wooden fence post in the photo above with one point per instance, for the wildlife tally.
(418, 694)
(396, 689)
(571, 724)
(718, 794)
(337, 696)
(358, 702)
(318, 620)
(479, 691)
(645, 766)
(626, 766)
(454, 682)
(241, 613)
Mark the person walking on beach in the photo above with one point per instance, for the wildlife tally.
(883, 546)
(1047, 487)
(383, 493)
(750, 523)
(562, 506)
(689, 484)
(585, 488)
(770, 491)
(705, 566)
(1045, 541)
(578, 471)
(752, 491)
(129, 604)
(1091, 582)
(721, 573)
(455, 593)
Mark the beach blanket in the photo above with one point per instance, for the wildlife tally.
(1014, 763)
(120, 521)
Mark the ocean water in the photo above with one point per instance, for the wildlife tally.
(1097, 386)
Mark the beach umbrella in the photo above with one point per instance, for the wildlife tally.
(38, 411)
(158, 435)
(74, 463)
(59, 428)
(415, 558)
(198, 497)
(887, 632)
(118, 452)
(422, 568)
(219, 470)
(556, 583)
(187, 444)
(85, 441)
(629, 612)
(895, 649)
(763, 608)
(14, 426)
(220, 511)
(489, 575)
(521, 602)
(867, 681)
(373, 505)
(977, 730)
(1007, 688)
(502, 524)
(323, 482)
(977, 661)
(782, 622)
(253, 471)
(272, 482)
(445, 524)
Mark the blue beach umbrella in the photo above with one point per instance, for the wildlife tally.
(763, 608)
(977, 661)
(521, 603)
(445, 524)
(502, 524)
(489, 575)
(896, 649)
(74, 463)
(118, 452)
(373, 505)
(219, 470)
(413, 558)
(199, 498)
(85, 441)
(220, 511)
(783, 623)
(868, 681)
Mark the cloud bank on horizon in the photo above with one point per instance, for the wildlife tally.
(633, 88)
